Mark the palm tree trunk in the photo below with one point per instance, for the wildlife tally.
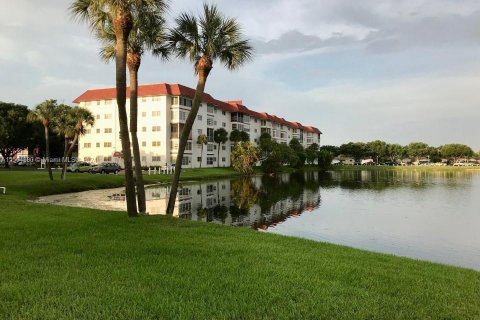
(122, 26)
(201, 156)
(218, 156)
(64, 160)
(70, 149)
(202, 79)
(133, 68)
(47, 153)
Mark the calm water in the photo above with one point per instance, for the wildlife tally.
(429, 216)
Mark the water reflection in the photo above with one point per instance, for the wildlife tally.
(258, 202)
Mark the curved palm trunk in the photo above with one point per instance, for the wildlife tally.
(122, 26)
(64, 160)
(133, 62)
(70, 150)
(201, 156)
(202, 79)
(218, 156)
(47, 153)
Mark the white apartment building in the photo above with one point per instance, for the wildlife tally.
(162, 111)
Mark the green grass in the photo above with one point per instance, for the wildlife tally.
(74, 263)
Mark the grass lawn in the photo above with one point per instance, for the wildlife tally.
(74, 263)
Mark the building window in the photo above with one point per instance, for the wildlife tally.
(185, 102)
(224, 147)
(88, 103)
(88, 131)
(155, 128)
(108, 130)
(199, 159)
(144, 114)
(98, 130)
(144, 143)
(185, 161)
(98, 144)
(107, 116)
(174, 100)
(155, 143)
(183, 115)
(98, 102)
(174, 145)
(144, 99)
(210, 134)
(156, 159)
(199, 117)
(97, 116)
(223, 112)
(211, 160)
(109, 158)
(209, 122)
(210, 109)
(107, 144)
(209, 147)
(87, 145)
(224, 124)
(144, 129)
(155, 113)
(157, 98)
(199, 131)
(223, 160)
(108, 102)
(188, 147)
(144, 158)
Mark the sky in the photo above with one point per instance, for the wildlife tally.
(398, 71)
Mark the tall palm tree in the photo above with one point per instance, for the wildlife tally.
(202, 140)
(102, 14)
(65, 126)
(212, 36)
(82, 118)
(220, 136)
(148, 33)
(45, 113)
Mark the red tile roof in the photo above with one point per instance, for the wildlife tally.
(180, 90)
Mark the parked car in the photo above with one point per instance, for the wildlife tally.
(106, 167)
(79, 167)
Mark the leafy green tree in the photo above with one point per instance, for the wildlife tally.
(203, 40)
(324, 159)
(45, 113)
(244, 157)
(376, 149)
(300, 151)
(202, 140)
(334, 150)
(235, 137)
(118, 15)
(220, 136)
(418, 150)
(395, 152)
(311, 153)
(15, 132)
(148, 33)
(357, 150)
(455, 151)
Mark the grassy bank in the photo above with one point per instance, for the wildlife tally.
(74, 263)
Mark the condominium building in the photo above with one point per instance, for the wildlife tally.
(162, 111)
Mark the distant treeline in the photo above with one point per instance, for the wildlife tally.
(380, 151)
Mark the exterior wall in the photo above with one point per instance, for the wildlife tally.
(161, 118)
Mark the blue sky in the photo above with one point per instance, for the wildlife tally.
(399, 71)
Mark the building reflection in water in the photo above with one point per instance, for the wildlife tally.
(258, 202)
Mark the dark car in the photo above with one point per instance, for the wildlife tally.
(106, 167)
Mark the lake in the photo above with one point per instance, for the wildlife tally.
(431, 216)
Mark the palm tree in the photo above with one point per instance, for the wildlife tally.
(82, 117)
(148, 32)
(45, 113)
(212, 36)
(118, 15)
(220, 136)
(65, 126)
(202, 140)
